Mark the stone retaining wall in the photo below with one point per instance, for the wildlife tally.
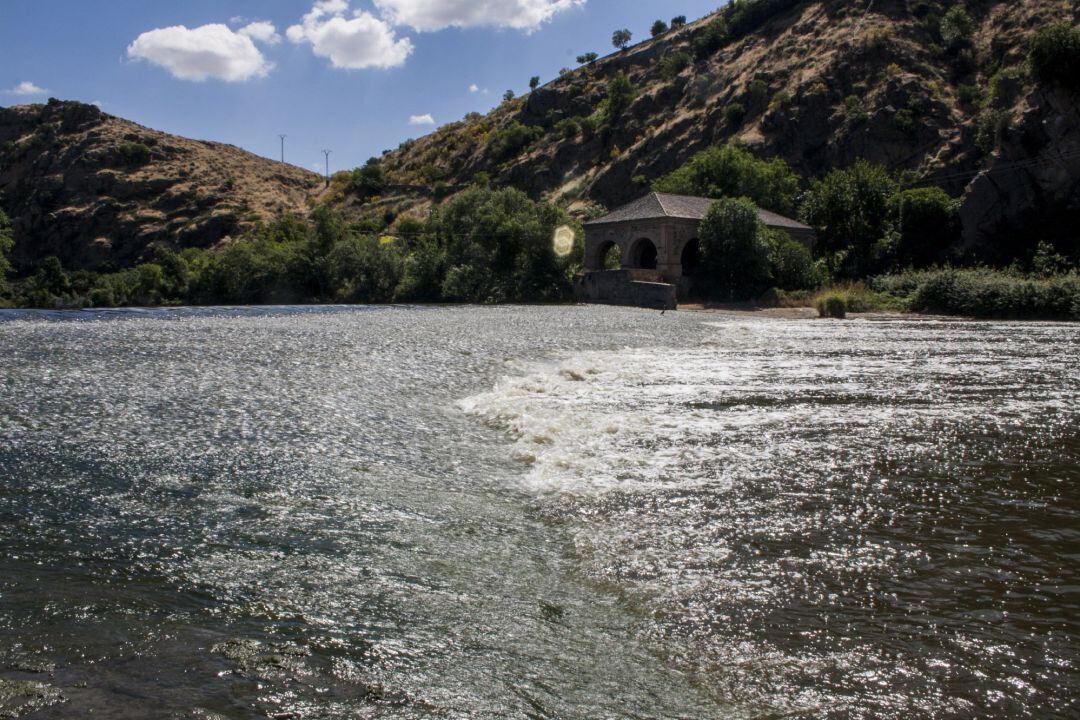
(617, 287)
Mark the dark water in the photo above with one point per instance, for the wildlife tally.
(536, 513)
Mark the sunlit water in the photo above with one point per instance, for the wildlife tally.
(536, 513)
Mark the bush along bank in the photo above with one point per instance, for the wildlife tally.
(970, 292)
(483, 246)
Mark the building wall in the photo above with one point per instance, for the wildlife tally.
(669, 236)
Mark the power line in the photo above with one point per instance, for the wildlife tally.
(1000, 168)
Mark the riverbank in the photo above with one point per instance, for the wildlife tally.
(980, 293)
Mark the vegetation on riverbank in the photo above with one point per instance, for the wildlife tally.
(1009, 294)
(484, 246)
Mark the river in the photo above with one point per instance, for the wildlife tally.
(536, 512)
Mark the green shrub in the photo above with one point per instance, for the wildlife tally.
(658, 28)
(509, 140)
(568, 128)
(587, 58)
(134, 154)
(711, 39)
(995, 294)
(957, 28)
(780, 100)
(855, 110)
(6, 244)
(732, 171)
(757, 91)
(678, 21)
(672, 65)
(905, 121)
(734, 250)
(969, 95)
(832, 305)
(745, 16)
(369, 180)
(734, 114)
(792, 265)
(856, 298)
(991, 128)
(620, 93)
(1055, 56)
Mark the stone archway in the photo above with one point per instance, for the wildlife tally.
(690, 258)
(643, 254)
(608, 256)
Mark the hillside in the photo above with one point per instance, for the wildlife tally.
(99, 192)
(819, 84)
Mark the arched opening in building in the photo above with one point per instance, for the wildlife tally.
(608, 257)
(643, 254)
(691, 258)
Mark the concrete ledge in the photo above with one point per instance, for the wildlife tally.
(617, 287)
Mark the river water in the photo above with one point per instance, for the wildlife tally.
(566, 512)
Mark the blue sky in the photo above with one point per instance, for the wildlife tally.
(395, 59)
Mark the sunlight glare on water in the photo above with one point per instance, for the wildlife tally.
(536, 512)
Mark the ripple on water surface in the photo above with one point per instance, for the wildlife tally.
(537, 512)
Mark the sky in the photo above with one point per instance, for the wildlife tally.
(356, 77)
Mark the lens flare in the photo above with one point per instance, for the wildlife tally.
(564, 241)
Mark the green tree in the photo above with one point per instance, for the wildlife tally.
(587, 58)
(678, 21)
(733, 171)
(849, 209)
(957, 28)
(534, 82)
(494, 246)
(6, 244)
(734, 250)
(621, 39)
(658, 28)
(508, 96)
(927, 225)
(711, 39)
(1055, 56)
(620, 93)
(792, 266)
(369, 180)
(509, 140)
(734, 114)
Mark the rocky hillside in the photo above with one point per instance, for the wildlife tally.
(818, 83)
(100, 192)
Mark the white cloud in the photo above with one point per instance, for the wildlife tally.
(353, 43)
(210, 51)
(474, 88)
(26, 89)
(261, 31)
(432, 15)
(422, 119)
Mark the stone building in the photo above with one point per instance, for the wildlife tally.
(655, 239)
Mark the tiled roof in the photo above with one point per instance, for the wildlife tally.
(661, 205)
